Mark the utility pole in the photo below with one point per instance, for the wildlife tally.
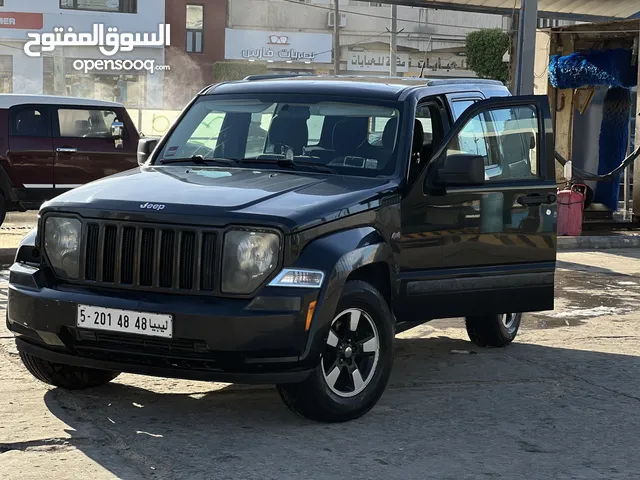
(393, 44)
(526, 49)
(336, 38)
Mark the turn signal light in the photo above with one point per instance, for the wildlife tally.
(310, 310)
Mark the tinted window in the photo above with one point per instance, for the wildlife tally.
(79, 123)
(30, 122)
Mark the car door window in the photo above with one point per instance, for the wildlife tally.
(459, 106)
(30, 122)
(89, 123)
(506, 138)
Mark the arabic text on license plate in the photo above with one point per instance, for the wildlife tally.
(125, 321)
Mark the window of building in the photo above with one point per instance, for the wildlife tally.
(195, 28)
(6, 74)
(79, 123)
(122, 6)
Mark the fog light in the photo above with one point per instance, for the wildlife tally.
(292, 277)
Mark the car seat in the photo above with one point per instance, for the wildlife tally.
(288, 132)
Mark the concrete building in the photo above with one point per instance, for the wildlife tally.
(301, 28)
(72, 69)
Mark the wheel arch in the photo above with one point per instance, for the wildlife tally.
(356, 253)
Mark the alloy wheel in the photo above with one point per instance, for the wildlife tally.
(352, 353)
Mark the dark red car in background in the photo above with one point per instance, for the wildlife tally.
(51, 144)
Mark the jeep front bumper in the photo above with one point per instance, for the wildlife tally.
(262, 340)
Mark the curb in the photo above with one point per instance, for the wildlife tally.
(599, 242)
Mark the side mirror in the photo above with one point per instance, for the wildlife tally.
(146, 146)
(117, 130)
(461, 170)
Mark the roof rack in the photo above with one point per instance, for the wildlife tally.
(268, 76)
(456, 81)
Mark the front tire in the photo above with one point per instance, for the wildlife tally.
(497, 330)
(65, 376)
(355, 367)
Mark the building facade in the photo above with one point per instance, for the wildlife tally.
(198, 41)
(429, 37)
(74, 67)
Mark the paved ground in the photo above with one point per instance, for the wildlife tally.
(563, 402)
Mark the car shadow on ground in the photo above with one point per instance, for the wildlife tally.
(450, 409)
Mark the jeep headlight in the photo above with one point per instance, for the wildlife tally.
(249, 257)
(62, 245)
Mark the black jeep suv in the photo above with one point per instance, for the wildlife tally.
(284, 230)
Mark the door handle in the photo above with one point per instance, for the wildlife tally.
(536, 199)
(66, 150)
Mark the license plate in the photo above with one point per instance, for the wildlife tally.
(125, 321)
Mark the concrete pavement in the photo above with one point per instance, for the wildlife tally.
(562, 402)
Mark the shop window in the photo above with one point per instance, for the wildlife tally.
(122, 6)
(129, 89)
(195, 28)
(6, 74)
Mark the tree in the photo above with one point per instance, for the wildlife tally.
(230, 71)
(485, 49)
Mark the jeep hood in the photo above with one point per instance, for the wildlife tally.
(219, 196)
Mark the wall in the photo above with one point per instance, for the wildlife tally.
(192, 71)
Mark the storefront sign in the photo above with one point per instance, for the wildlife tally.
(277, 46)
(20, 20)
(377, 61)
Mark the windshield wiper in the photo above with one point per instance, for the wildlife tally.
(200, 160)
(283, 162)
(313, 166)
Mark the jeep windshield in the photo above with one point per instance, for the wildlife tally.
(326, 136)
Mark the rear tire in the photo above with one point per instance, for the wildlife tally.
(3, 209)
(65, 376)
(497, 330)
(356, 364)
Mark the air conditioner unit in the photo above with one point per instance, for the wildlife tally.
(330, 19)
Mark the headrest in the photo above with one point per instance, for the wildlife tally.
(418, 137)
(292, 132)
(389, 134)
(349, 134)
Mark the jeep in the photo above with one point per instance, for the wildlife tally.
(285, 230)
(52, 144)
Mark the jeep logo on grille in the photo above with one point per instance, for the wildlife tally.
(152, 206)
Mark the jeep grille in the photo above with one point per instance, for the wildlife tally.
(149, 257)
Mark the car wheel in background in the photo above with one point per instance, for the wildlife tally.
(497, 330)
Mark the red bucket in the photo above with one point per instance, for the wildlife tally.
(570, 210)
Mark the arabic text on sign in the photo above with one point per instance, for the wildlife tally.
(380, 60)
(110, 43)
(288, 54)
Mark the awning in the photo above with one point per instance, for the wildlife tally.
(565, 9)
